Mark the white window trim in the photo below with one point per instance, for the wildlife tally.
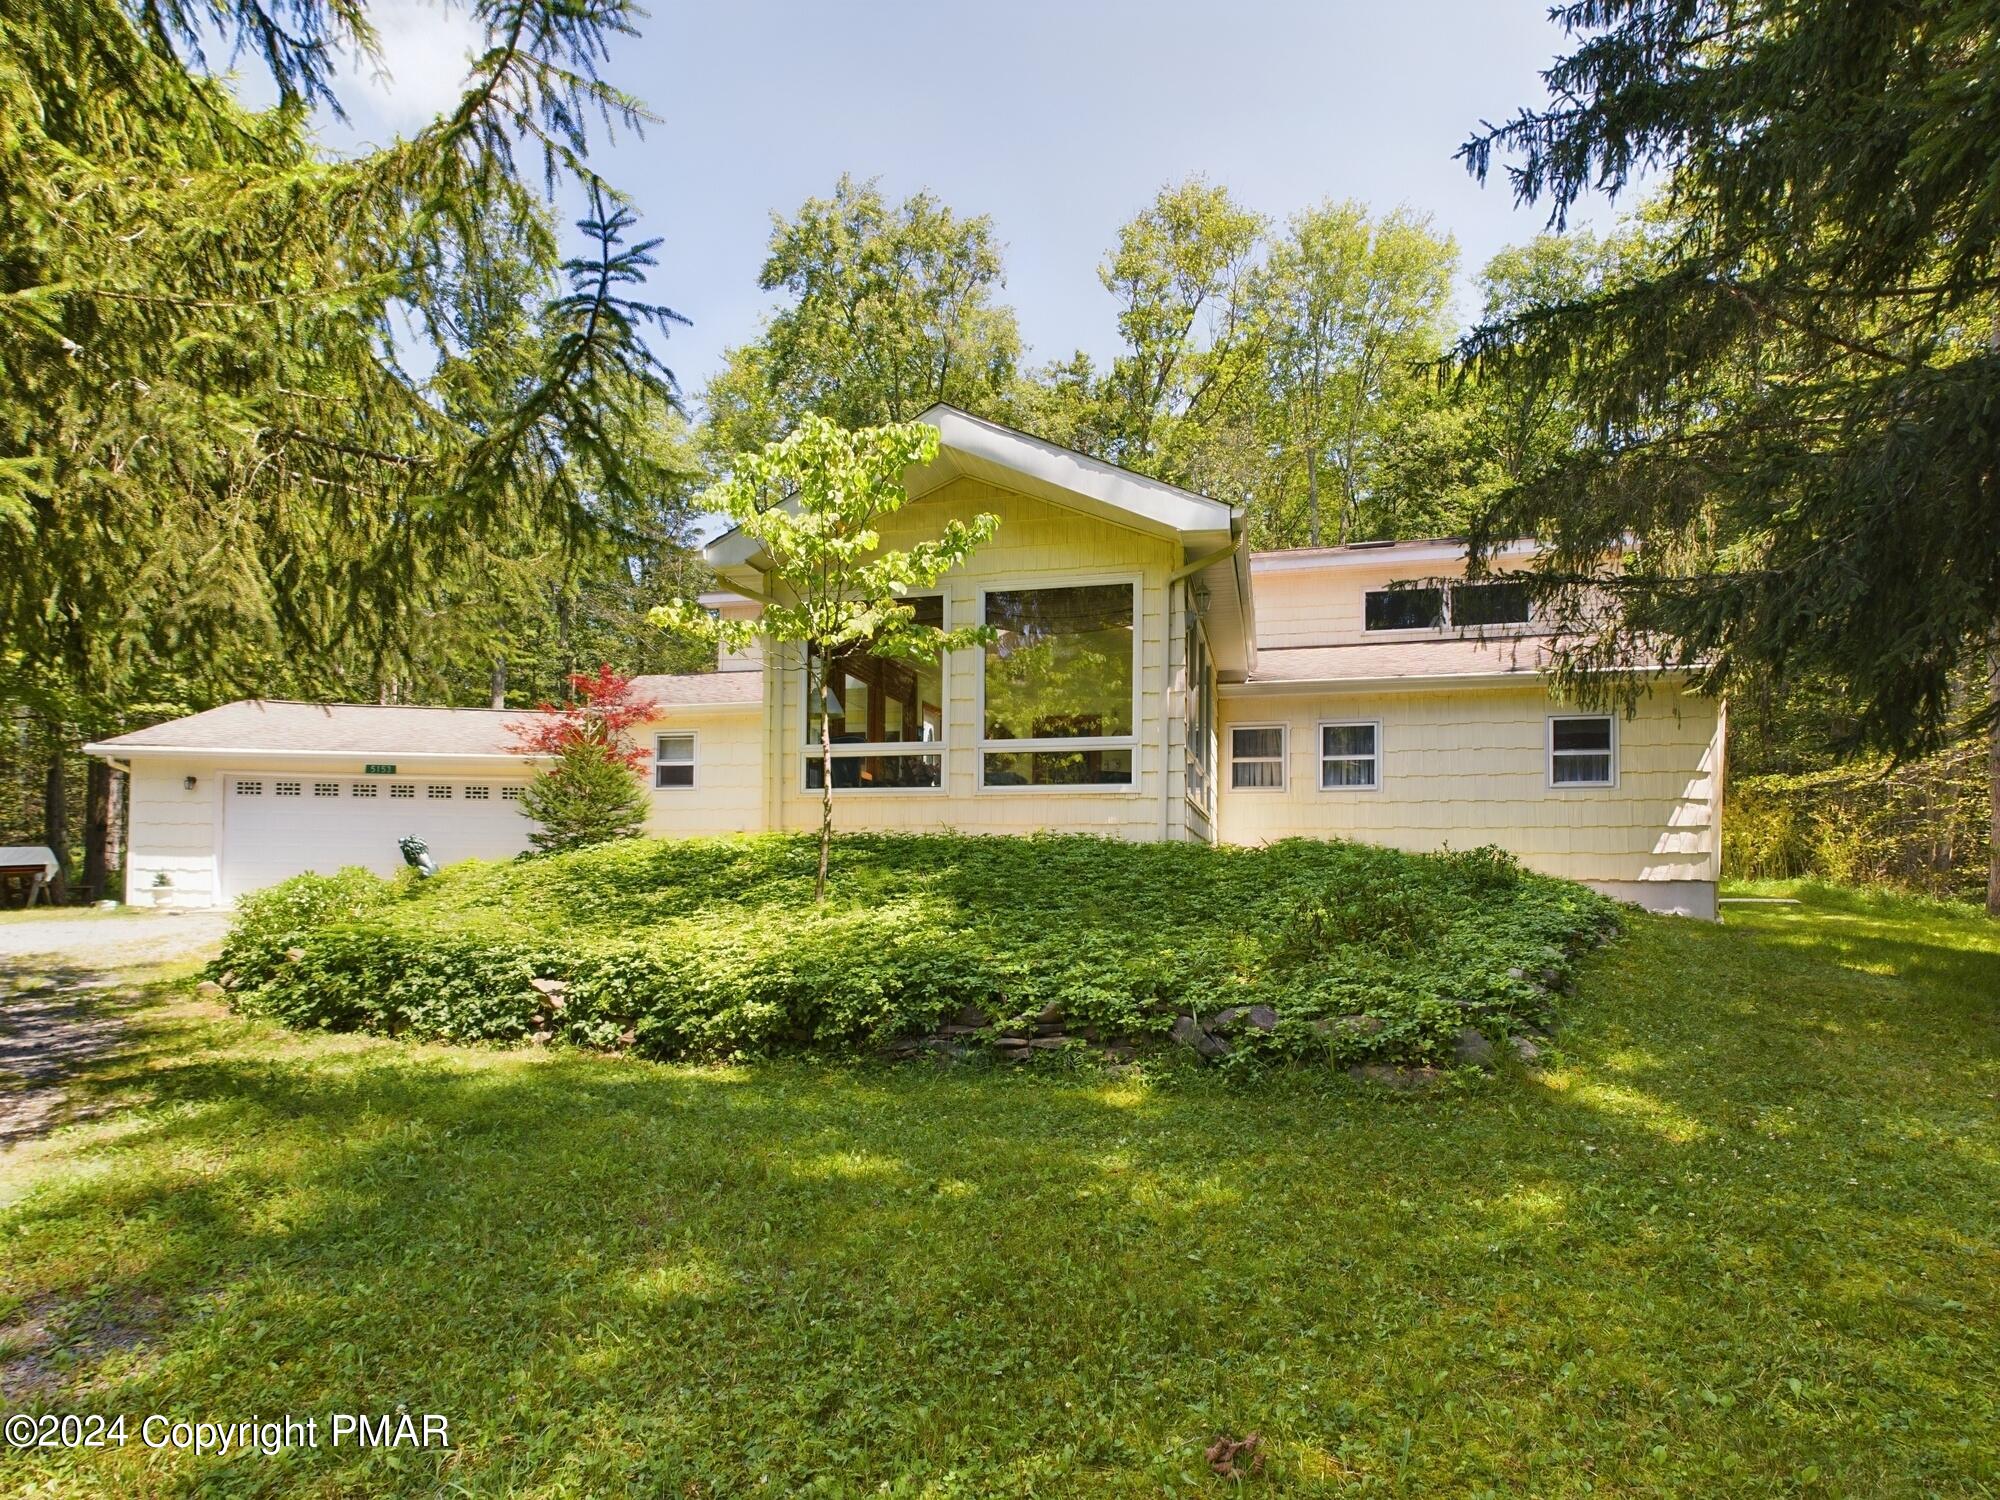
(810, 754)
(693, 737)
(985, 747)
(1284, 758)
(1549, 755)
(1320, 757)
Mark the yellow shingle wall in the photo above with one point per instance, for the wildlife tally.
(728, 794)
(1038, 545)
(1467, 767)
(1302, 602)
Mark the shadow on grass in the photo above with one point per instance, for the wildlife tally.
(1717, 1245)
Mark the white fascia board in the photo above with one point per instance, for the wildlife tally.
(1317, 687)
(1131, 497)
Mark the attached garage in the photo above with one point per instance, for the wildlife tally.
(240, 797)
(277, 823)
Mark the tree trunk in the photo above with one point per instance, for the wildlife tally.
(1312, 497)
(499, 682)
(114, 842)
(1993, 780)
(96, 830)
(55, 824)
(825, 791)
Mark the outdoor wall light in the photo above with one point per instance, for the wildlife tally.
(188, 782)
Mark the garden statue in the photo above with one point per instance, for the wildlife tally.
(418, 854)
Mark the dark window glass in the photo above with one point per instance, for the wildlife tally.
(1060, 768)
(1060, 666)
(1405, 609)
(673, 760)
(883, 700)
(1583, 734)
(878, 772)
(1474, 604)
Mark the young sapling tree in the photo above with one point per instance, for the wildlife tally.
(814, 501)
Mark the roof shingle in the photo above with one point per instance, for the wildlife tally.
(399, 729)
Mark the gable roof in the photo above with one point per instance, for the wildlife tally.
(286, 727)
(972, 447)
(1211, 533)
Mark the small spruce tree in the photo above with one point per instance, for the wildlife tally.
(586, 795)
(588, 792)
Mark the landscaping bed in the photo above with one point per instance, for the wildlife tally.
(714, 949)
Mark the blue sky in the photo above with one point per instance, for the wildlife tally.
(1059, 120)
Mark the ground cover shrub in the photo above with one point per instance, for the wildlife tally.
(712, 948)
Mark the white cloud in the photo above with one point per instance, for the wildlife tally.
(426, 49)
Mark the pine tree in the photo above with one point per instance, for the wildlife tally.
(218, 472)
(1791, 455)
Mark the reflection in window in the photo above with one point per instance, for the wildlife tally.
(1404, 609)
(882, 700)
(1477, 604)
(879, 773)
(1060, 768)
(1061, 664)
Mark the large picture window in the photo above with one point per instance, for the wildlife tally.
(880, 708)
(1059, 676)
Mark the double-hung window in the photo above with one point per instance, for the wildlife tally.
(884, 715)
(1059, 683)
(1583, 750)
(1350, 756)
(673, 760)
(1257, 757)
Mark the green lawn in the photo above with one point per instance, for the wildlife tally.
(1741, 1239)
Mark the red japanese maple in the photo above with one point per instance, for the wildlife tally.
(602, 713)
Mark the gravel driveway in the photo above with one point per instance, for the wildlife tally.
(114, 940)
(58, 991)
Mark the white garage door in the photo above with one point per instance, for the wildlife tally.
(276, 824)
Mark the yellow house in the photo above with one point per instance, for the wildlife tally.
(1150, 679)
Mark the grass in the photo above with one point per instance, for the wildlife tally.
(1741, 1238)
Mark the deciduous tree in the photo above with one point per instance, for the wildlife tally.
(814, 501)
(891, 310)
